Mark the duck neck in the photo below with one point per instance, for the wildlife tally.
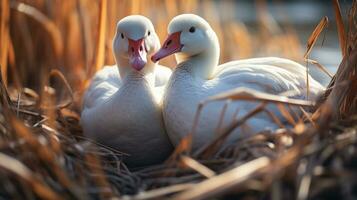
(201, 65)
(128, 73)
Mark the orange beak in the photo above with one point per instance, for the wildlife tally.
(137, 54)
(171, 45)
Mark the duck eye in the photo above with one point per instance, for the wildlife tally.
(149, 33)
(192, 29)
(122, 36)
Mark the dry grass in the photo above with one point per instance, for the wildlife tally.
(54, 47)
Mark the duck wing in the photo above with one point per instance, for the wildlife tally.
(271, 75)
(104, 84)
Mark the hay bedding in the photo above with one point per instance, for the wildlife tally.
(43, 156)
(41, 162)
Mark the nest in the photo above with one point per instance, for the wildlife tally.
(44, 156)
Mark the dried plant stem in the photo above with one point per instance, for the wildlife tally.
(224, 181)
(5, 101)
(321, 67)
(158, 193)
(221, 117)
(20, 170)
(4, 38)
(212, 146)
(254, 95)
(100, 45)
(48, 25)
(315, 35)
(310, 44)
(340, 27)
(59, 74)
(195, 165)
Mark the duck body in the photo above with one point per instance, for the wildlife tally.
(198, 76)
(126, 115)
(185, 92)
(123, 104)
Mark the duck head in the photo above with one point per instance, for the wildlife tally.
(135, 41)
(189, 35)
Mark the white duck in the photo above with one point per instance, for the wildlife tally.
(198, 76)
(122, 106)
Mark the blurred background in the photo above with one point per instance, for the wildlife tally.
(75, 36)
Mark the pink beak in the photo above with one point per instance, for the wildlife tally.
(137, 54)
(171, 45)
